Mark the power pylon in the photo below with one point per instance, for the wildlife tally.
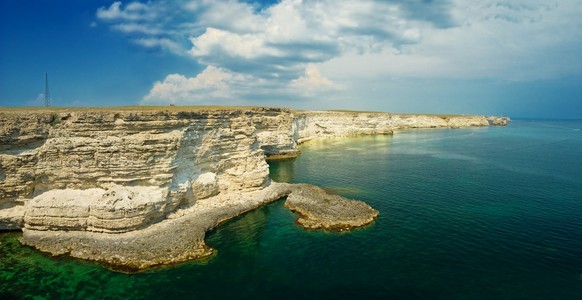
(47, 96)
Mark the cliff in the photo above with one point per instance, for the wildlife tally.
(109, 171)
(106, 184)
(318, 124)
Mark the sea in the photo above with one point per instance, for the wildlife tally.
(476, 213)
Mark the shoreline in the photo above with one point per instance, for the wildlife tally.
(138, 187)
(190, 225)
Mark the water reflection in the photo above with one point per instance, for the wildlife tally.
(245, 233)
(357, 144)
(449, 228)
(282, 170)
(320, 158)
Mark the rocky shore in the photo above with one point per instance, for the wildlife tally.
(319, 209)
(134, 187)
(178, 238)
(498, 121)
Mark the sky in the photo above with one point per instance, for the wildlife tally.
(521, 58)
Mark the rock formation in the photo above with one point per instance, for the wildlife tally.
(137, 187)
(498, 121)
(319, 209)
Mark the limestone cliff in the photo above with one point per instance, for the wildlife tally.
(91, 181)
(317, 124)
(118, 171)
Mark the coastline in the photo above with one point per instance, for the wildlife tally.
(194, 178)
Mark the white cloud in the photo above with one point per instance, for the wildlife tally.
(283, 37)
(164, 43)
(293, 33)
(208, 86)
(137, 28)
(286, 44)
(518, 40)
(132, 12)
(311, 81)
(215, 85)
(246, 45)
(228, 15)
(111, 13)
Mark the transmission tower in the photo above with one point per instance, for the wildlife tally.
(47, 96)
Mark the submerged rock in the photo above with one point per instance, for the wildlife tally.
(319, 209)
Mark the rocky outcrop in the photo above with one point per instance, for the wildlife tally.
(117, 209)
(319, 209)
(277, 134)
(498, 121)
(107, 184)
(178, 238)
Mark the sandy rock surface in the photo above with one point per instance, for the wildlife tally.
(319, 209)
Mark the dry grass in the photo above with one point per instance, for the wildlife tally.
(394, 114)
(24, 109)
(129, 108)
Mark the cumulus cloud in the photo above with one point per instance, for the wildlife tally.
(212, 82)
(245, 46)
(280, 39)
(227, 15)
(313, 80)
(285, 45)
(213, 85)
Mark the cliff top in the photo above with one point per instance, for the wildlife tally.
(40, 109)
(131, 108)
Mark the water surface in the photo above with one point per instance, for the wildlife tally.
(484, 213)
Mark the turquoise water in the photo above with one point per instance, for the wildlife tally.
(485, 213)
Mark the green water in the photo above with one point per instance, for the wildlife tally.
(487, 213)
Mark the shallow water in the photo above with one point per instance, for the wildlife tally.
(484, 213)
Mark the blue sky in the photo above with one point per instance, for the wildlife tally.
(519, 58)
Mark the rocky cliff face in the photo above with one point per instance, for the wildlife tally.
(317, 124)
(76, 180)
(118, 171)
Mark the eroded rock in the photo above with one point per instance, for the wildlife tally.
(12, 218)
(319, 209)
(498, 121)
(178, 238)
(206, 185)
(117, 209)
